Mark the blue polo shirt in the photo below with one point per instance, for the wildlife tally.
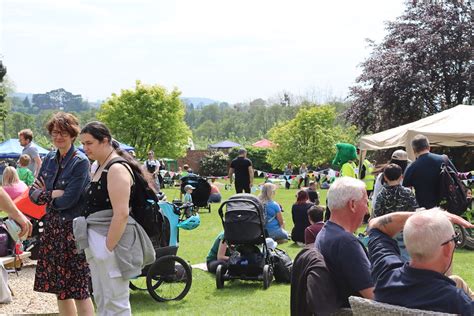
(346, 259)
(399, 284)
(424, 175)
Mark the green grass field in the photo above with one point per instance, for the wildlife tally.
(240, 297)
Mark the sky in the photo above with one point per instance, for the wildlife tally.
(233, 51)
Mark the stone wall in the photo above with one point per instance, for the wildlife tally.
(192, 158)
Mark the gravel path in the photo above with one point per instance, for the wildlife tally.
(25, 300)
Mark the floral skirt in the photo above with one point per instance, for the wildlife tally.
(61, 269)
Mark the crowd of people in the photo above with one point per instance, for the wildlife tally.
(90, 239)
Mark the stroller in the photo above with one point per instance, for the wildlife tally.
(169, 277)
(202, 192)
(243, 221)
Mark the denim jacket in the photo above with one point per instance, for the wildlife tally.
(73, 179)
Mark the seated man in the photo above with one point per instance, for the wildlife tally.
(344, 255)
(422, 283)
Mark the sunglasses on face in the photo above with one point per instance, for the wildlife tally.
(456, 238)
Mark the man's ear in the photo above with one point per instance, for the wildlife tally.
(351, 204)
(447, 250)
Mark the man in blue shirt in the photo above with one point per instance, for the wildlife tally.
(344, 255)
(424, 173)
(422, 283)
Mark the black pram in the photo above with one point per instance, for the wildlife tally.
(243, 219)
(201, 192)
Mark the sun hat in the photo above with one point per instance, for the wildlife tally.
(188, 186)
(400, 154)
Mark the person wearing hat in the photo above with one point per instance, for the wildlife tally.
(188, 195)
(399, 157)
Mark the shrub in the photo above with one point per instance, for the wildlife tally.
(214, 164)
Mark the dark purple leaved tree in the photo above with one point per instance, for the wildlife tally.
(422, 67)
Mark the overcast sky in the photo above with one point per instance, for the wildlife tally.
(225, 50)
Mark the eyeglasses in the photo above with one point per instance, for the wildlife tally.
(456, 238)
(62, 133)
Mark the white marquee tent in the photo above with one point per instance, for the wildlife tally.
(451, 128)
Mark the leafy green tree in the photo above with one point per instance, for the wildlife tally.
(310, 137)
(148, 117)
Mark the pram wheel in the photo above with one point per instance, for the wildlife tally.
(462, 235)
(169, 278)
(267, 276)
(220, 276)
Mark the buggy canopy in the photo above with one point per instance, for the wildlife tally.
(451, 128)
(12, 149)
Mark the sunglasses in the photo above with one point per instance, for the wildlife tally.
(456, 238)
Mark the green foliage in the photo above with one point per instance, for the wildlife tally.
(258, 156)
(240, 122)
(148, 117)
(214, 164)
(310, 137)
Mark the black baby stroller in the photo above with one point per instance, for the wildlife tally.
(201, 192)
(244, 233)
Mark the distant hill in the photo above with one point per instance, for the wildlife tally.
(22, 95)
(197, 102)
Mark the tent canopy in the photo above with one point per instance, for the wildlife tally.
(451, 128)
(263, 143)
(12, 149)
(122, 146)
(225, 144)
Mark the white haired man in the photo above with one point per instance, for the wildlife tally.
(422, 283)
(344, 255)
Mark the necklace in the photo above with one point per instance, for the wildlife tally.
(101, 166)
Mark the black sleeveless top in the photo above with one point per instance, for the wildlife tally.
(96, 193)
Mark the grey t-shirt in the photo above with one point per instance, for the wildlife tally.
(31, 151)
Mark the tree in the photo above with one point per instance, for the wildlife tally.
(310, 137)
(60, 99)
(4, 108)
(148, 117)
(421, 67)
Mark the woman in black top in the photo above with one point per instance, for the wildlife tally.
(299, 213)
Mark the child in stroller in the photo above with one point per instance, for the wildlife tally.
(243, 220)
(200, 193)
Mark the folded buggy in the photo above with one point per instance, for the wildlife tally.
(243, 219)
(201, 192)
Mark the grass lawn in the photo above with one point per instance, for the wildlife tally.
(239, 297)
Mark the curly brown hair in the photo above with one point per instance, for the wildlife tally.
(64, 122)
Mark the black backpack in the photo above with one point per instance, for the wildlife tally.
(452, 191)
(143, 201)
(282, 266)
(7, 244)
